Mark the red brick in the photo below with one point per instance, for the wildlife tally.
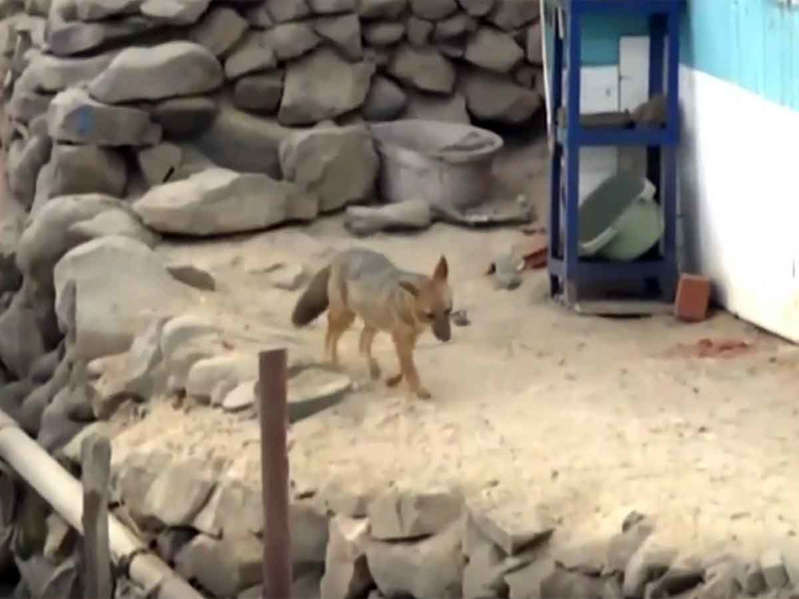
(693, 298)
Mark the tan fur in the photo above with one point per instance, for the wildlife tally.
(365, 284)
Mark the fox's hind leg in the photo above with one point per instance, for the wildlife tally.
(367, 337)
(339, 320)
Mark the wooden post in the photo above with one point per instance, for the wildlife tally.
(275, 474)
(96, 460)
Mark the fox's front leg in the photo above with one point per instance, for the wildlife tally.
(404, 344)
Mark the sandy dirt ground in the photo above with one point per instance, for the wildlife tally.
(541, 411)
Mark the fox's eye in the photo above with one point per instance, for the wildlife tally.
(429, 315)
(448, 311)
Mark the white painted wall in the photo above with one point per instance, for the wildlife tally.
(740, 199)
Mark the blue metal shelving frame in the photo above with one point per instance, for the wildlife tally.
(568, 272)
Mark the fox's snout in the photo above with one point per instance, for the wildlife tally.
(441, 328)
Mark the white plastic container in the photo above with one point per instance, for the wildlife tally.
(444, 164)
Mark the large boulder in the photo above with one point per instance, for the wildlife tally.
(85, 169)
(338, 164)
(322, 85)
(164, 71)
(113, 303)
(222, 567)
(183, 117)
(74, 117)
(242, 142)
(219, 30)
(259, 93)
(344, 32)
(493, 50)
(292, 40)
(67, 38)
(219, 201)
(254, 53)
(25, 158)
(50, 74)
(424, 69)
(174, 12)
(510, 15)
(494, 97)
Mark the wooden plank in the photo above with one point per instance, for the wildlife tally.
(275, 474)
(96, 464)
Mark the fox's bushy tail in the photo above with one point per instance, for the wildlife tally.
(313, 300)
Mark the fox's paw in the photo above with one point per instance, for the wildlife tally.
(423, 393)
(393, 381)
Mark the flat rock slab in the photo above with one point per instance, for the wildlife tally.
(322, 85)
(398, 515)
(73, 116)
(338, 164)
(510, 529)
(424, 69)
(164, 71)
(219, 201)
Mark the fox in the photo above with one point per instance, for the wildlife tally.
(364, 283)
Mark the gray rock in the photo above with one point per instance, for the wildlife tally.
(477, 8)
(314, 159)
(327, 7)
(222, 567)
(185, 340)
(43, 369)
(492, 97)
(25, 106)
(258, 17)
(397, 515)
(454, 27)
(13, 395)
(525, 583)
(86, 169)
(159, 162)
(292, 40)
(183, 117)
(493, 50)
(114, 303)
(97, 10)
(454, 48)
(484, 575)
(192, 276)
(171, 540)
(259, 93)
(344, 32)
(419, 31)
(223, 201)
(67, 38)
(424, 69)
(207, 374)
(377, 56)
(526, 75)
(322, 85)
(508, 529)
(234, 510)
(383, 33)
(533, 44)
(346, 571)
(561, 583)
(773, 567)
(433, 10)
(437, 108)
(720, 583)
(513, 14)
(410, 214)
(288, 10)
(74, 117)
(50, 74)
(429, 568)
(187, 479)
(174, 12)
(254, 53)
(382, 9)
(625, 544)
(164, 71)
(25, 158)
(649, 562)
(385, 101)
(218, 30)
(117, 221)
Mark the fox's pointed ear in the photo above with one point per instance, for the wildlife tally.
(410, 288)
(442, 270)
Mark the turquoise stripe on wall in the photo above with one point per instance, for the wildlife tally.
(752, 43)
